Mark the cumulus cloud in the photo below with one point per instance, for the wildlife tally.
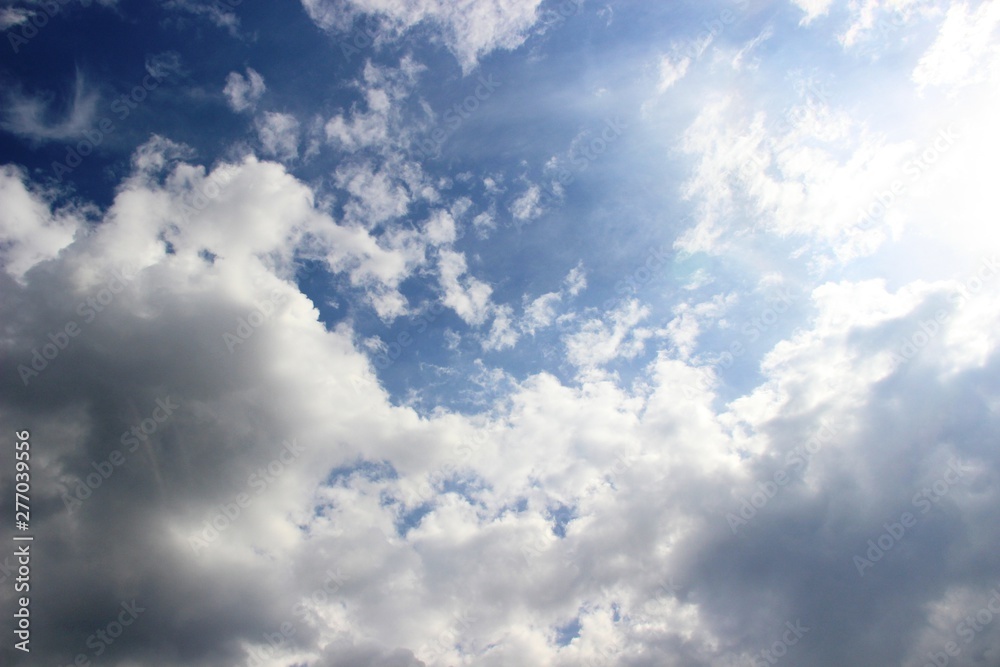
(226, 367)
(31, 229)
(243, 92)
(279, 135)
(569, 522)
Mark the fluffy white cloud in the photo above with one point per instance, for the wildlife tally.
(31, 230)
(279, 135)
(602, 339)
(243, 92)
(528, 205)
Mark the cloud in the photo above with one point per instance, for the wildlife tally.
(217, 13)
(217, 441)
(470, 29)
(671, 72)
(31, 116)
(243, 92)
(502, 334)
(162, 65)
(871, 18)
(813, 9)
(591, 504)
(466, 295)
(964, 51)
(13, 16)
(31, 230)
(279, 135)
(601, 340)
(528, 205)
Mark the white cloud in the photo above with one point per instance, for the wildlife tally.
(31, 230)
(806, 171)
(279, 135)
(377, 196)
(470, 29)
(576, 280)
(527, 206)
(243, 92)
(877, 18)
(469, 298)
(541, 312)
(965, 51)
(813, 9)
(441, 228)
(30, 116)
(601, 340)
(672, 71)
(502, 334)
(483, 577)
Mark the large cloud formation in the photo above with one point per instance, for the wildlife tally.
(220, 476)
(273, 503)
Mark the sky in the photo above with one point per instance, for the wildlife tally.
(441, 333)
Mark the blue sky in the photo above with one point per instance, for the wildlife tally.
(563, 332)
